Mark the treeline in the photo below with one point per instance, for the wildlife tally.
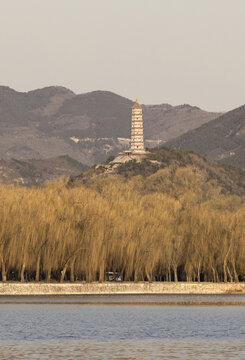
(170, 226)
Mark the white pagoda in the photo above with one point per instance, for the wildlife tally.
(137, 151)
(137, 134)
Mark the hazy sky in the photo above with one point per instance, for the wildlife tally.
(160, 51)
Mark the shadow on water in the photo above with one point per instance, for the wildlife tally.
(125, 299)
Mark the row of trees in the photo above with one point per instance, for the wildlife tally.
(170, 226)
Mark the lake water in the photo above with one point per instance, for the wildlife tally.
(69, 330)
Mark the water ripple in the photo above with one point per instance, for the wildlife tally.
(121, 332)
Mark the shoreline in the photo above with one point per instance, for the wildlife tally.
(116, 288)
(169, 303)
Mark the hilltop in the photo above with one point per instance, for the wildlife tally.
(169, 170)
(89, 127)
(221, 139)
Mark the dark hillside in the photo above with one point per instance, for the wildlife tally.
(221, 139)
(37, 172)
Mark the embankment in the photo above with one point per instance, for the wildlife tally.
(16, 288)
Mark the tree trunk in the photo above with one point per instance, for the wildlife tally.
(225, 272)
(63, 272)
(48, 275)
(217, 276)
(199, 273)
(4, 276)
(175, 274)
(231, 278)
(38, 267)
(72, 277)
(102, 271)
(135, 276)
(234, 270)
(214, 274)
(148, 275)
(169, 274)
(89, 276)
(22, 274)
(89, 272)
(225, 263)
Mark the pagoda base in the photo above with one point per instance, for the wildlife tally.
(129, 155)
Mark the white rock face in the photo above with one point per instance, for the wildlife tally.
(73, 138)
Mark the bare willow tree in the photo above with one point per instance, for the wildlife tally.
(171, 226)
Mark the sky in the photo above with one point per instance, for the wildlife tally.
(159, 51)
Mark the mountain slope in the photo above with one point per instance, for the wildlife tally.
(54, 121)
(37, 172)
(222, 138)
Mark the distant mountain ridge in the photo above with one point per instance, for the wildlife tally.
(221, 139)
(53, 121)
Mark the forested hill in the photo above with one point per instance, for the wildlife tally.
(169, 169)
(221, 139)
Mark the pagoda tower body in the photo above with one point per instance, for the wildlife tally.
(137, 151)
(137, 134)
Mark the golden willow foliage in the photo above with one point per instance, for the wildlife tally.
(169, 226)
